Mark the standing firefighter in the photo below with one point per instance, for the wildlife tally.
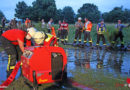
(13, 43)
(101, 28)
(64, 32)
(49, 25)
(119, 33)
(3, 21)
(27, 23)
(87, 27)
(59, 31)
(79, 26)
(14, 23)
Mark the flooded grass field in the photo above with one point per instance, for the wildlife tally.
(96, 69)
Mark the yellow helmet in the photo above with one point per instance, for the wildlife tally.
(31, 31)
(39, 37)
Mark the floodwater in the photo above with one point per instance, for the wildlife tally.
(114, 62)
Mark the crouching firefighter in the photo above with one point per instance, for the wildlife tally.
(119, 33)
(13, 43)
(64, 32)
(101, 28)
(87, 27)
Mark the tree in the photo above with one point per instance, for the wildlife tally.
(1, 16)
(89, 11)
(21, 10)
(44, 9)
(116, 14)
(59, 15)
(68, 14)
(127, 15)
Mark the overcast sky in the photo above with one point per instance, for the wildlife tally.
(8, 6)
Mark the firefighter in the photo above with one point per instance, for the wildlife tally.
(3, 21)
(87, 28)
(64, 32)
(13, 43)
(27, 23)
(59, 31)
(49, 25)
(119, 33)
(20, 25)
(14, 23)
(101, 28)
(43, 24)
(79, 27)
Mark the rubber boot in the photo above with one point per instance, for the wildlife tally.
(122, 45)
(90, 43)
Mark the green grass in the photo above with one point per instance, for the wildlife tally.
(99, 81)
(1, 49)
(109, 35)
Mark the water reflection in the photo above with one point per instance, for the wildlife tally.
(115, 62)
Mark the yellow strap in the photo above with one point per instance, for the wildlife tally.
(9, 58)
(79, 39)
(75, 39)
(66, 39)
(21, 64)
(12, 67)
(104, 44)
(85, 41)
(101, 32)
(97, 44)
(90, 41)
(49, 37)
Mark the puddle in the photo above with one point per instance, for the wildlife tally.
(114, 62)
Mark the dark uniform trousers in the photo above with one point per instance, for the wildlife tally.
(64, 34)
(99, 36)
(1, 31)
(119, 35)
(87, 36)
(59, 35)
(49, 30)
(78, 35)
(14, 54)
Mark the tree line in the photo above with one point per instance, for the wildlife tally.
(46, 9)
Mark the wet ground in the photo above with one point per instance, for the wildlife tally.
(82, 62)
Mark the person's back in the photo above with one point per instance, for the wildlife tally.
(49, 25)
(13, 35)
